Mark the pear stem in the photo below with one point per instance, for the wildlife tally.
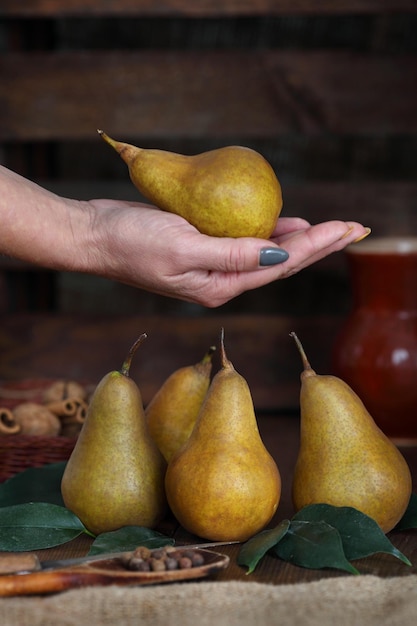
(209, 354)
(306, 364)
(125, 150)
(225, 363)
(119, 146)
(106, 138)
(128, 361)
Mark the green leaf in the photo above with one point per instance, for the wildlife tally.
(361, 536)
(36, 484)
(128, 538)
(313, 545)
(37, 525)
(409, 519)
(255, 548)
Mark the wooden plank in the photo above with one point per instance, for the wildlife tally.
(67, 95)
(294, 156)
(90, 346)
(197, 8)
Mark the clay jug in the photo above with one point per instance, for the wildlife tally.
(376, 350)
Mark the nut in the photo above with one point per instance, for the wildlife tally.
(36, 419)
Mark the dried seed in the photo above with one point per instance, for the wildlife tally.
(188, 554)
(157, 565)
(171, 564)
(159, 553)
(139, 565)
(197, 559)
(142, 552)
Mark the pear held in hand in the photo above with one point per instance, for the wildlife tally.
(344, 458)
(115, 474)
(223, 484)
(227, 192)
(173, 411)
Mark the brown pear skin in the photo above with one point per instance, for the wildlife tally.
(228, 192)
(344, 458)
(223, 485)
(115, 474)
(173, 411)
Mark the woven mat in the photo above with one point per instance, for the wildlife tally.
(354, 601)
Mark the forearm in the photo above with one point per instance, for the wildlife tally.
(40, 227)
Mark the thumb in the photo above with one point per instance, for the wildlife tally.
(240, 255)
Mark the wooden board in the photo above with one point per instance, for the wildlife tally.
(151, 94)
(87, 347)
(50, 8)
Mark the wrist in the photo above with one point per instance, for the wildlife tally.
(40, 227)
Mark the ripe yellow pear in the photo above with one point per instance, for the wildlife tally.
(173, 411)
(223, 484)
(344, 458)
(115, 474)
(227, 192)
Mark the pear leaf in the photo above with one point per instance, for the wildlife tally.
(314, 545)
(255, 548)
(361, 536)
(127, 539)
(37, 525)
(409, 519)
(36, 484)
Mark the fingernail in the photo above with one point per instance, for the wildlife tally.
(367, 232)
(272, 256)
(347, 233)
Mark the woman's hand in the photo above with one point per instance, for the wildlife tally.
(147, 248)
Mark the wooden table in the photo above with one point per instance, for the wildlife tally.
(280, 434)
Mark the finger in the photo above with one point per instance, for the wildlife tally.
(320, 241)
(288, 225)
(234, 255)
(303, 248)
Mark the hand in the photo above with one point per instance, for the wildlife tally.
(150, 249)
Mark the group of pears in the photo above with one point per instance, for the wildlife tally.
(196, 449)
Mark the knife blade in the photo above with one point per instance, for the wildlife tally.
(14, 563)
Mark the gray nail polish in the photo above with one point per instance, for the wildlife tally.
(272, 256)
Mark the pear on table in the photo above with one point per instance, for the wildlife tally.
(223, 484)
(344, 458)
(227, 192)
(115, 474)
(172, 412)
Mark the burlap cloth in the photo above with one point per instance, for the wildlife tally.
(354, 600)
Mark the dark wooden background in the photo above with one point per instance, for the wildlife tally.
(326, 90)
